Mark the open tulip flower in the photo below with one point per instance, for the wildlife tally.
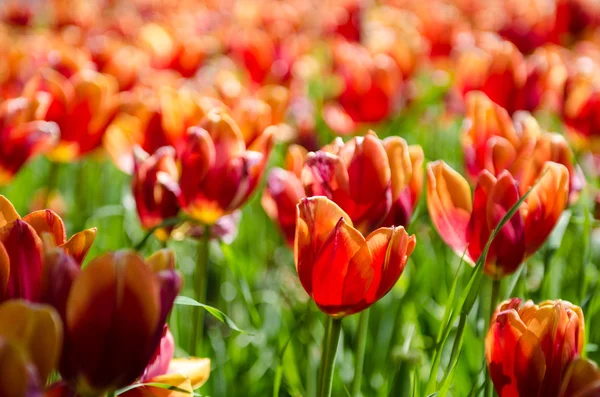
(114, 311)
(21, 249)
(218, 171)
(493, 142)
(82, 106)
(465, 223)
(31, 337)
(528, 347)
(340, 269)
(376, 182)
(23, 134)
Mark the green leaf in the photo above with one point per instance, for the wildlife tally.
(151, 384)
(216, 313)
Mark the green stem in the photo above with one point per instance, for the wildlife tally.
(111, 394)
(363, 330)
(200, 287)
(51, 183)
(489, 389)
(330, 344)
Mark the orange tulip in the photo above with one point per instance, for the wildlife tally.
(529, 346)
(218, 171)
(155, 188)
(23, 134)
(581, 379)
(82, 106)
(31, 338)
(494, 142)
(466, 223)
(340, 269)
(21, 251)
(114, 311)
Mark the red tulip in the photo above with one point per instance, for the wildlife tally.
(528, 347)
(218, 171)
(340, 269)
(114, 312)
(21, 250)
(155, 188)
(494, 142)
(23, 135)
(466, 223)
(82, 106)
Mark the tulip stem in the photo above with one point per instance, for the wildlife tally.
(489, 390)
(200, 287)
(330, 344)
(111, 393)
(363, 330)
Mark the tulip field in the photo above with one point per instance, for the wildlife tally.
(300, 198)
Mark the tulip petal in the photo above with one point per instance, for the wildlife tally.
(317, 217)
(449, 203)
(24, 249)
(400, 164)
(47, 221)
(342, 272)
(124, 295)
(80, 244)
(545, 204)
(581, 379)
(18, 377)
(37, 328)
(175, 380)
(196, 369)
(4, 271)
(7, 211)
(390, 248)
(163, 259)
(530, 364)
(59, 273)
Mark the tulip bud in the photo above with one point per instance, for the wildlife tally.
(528, 347)
(340, 269)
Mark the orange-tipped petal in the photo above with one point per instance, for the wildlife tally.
(400, 164)
(7, 211)
(545, 204)
(80, 243)
(47, 221)
(449, 203)
(24, 249)
(37, 328)
(226, 135)
(197, 370)
(295, 158)
(317, 217)
(16, 372)
(163, 259)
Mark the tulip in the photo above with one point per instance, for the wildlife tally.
(340, 269)
(30, 344)
(466, 223)
(114, 311)
(494, 142)
(491, 65)
(345, 19)
(284, 190)
(581, 379)
(82, 106)
(529, 346)
(21, 250)
(371, 90)
(218, 171)
(581, 104)
(23, 134)
(155, 188)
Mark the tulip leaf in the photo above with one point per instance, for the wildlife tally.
(216, 313)
(152, 384)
